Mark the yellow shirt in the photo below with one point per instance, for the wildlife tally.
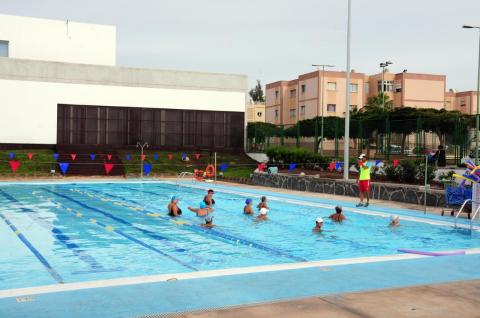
(365, 171)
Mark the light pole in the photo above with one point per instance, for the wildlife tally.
(321, 90)
(478, 93)
(383, 65)
(141, 146)
(346, 141)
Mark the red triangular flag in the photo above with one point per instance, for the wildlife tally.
(143, 157)
(14, 165)
(170, 156)
(30, 156)
(108, 167)
(109, 157)
(73, 155)
(260, 167)
(395, 163)
(197, 156)
(331, 166)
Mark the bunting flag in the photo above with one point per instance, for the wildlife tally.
(260, 167)
(109, 157)
(155, 157)
(292, 167)
(29, 156)
(184, 156)
(331, 166)
(353, 168)
(55, 156)
(197, 156)
(395, 162)
(170, 156)
(147, 168)
(377, 162)
(14, 165)
(92, 156)
(143, 157)
(338, 165)
(128, 157)
(223, 167)
(73, 156)
(11, 155)
(63, 167)
(108, 167)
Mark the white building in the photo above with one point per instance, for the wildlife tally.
(60, 86)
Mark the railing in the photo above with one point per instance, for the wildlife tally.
(473, 217)
(184, 174)
(461, 210)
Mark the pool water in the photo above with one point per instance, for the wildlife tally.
(62, 233)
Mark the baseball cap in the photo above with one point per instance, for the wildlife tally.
(263, 211)
(362, 156)
(319, 220)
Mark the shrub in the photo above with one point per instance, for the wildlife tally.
(307, 158)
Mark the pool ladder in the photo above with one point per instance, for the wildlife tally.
(472, 217)
(184, 174)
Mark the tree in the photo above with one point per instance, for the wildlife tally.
(256, 93)
(376, 103)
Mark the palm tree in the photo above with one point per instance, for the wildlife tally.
(376, 103)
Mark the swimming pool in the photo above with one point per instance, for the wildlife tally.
(75, 232)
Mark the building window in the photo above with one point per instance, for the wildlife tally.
(398, 88)
(332, 86)
(463, 103)
(302, 110)
(303, 88)
(353, 88)
(276, 113)
(293, 112)
(293, 93)
(276, 95)
(3, 48)
(332, 108)
(387, 86)
(367, 88)
(259, 114)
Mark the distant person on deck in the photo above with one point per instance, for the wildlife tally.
(338, 216)
(263, 204)
(364, 180)
(208, 199)
(203, 210)
(173, 209)
(440, 157)
(247, 209)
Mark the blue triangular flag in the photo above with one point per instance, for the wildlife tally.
(147, 167)
(128, 157)
(63, 167)
(92, 156)
(184, 156)
(377, 162)
(155, 157)
(292, 166)
(223, 167)
(11, 155)
(338, 165)
(55, 156)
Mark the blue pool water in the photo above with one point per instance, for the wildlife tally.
(61, 233)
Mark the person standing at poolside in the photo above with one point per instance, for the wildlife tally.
(364, 180)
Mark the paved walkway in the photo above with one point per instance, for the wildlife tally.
(459, 300)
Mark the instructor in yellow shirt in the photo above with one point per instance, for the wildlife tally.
(364, 180)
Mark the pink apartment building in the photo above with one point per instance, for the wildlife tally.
(290, 101)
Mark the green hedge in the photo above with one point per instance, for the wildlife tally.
(410, 171)
(300, 156)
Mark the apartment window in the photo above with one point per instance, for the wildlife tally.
(398, 88)
(387, 86)
(303, 88)
(332, 86)
(367, 88)
(293, 112)
(293, 93)
(4, 48)
(331, 108)
(302, 110)
(276, 113)
(276, 95)
(353, 88)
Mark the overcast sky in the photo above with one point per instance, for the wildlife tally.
(275, 40)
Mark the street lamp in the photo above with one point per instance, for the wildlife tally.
(478, 93)
(321, 89)
(346, 136)
(383, 65)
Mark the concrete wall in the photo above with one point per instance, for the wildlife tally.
(31, 91)
(55, 40)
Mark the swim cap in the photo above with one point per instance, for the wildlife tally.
(209, 219)
(174, 197)
(248, 201)
(263, 211)
(203, 205)
(319, 220)
(394, 217)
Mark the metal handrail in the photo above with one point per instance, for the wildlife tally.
(183, 174)
(461, 209)
(473, 217)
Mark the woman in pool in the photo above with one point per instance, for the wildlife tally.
(394, 221)
(338, 216)
(247, 209)
(203, 210)
(173, 209)
(318, 225)
(208, 199)
(263, 215)
(263, 204)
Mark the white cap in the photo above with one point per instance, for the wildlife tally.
(394, 217)
(362, 156)
(319, 220)
(263, 211)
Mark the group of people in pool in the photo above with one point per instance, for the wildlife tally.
(206, 207)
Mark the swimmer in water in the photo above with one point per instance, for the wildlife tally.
(208, 199)
(318, 225)
(173, 209)
(203, 210)
(208, 222)
(338, 216)
(263, 204)
(263, 215)
(394, 221)
(247, 209)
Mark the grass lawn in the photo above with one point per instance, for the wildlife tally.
(41, 164)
